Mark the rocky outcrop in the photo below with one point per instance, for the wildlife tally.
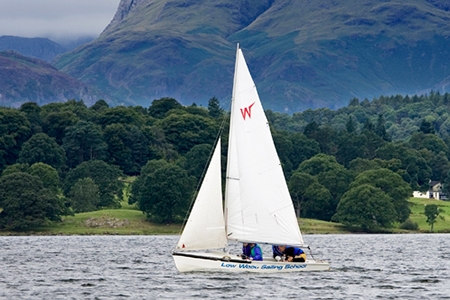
(124, 9)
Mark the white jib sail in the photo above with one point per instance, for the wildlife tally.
(258, 204)
(205, 228)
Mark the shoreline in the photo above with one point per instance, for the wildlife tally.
(130, 221)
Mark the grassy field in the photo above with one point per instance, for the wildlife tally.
(130, 221)
(311, 226)
(417, 206)
(124, 221)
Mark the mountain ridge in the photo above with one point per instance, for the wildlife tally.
(24, 79)
(41, 48)
(302, 54)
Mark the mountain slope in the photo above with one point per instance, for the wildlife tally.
(303, 54)
(24, 79)
(41, 48)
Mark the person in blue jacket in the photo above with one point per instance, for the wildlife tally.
(295, 254)
(251, 251)
(288, 253)
(279, 252)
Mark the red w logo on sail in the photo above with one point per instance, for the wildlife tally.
(247, 111)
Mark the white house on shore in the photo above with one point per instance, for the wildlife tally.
(417, 194)
(434, 192)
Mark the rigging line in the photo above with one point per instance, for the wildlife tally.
(310, 252)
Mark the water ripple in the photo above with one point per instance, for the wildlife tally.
(141, 267)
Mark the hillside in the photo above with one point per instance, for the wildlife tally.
(24, 79)
(41, 48)
(303, 54)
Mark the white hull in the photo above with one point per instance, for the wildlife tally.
(224, 262)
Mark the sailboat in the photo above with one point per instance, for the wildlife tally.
(258, 207)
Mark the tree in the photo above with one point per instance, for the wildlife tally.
(303, 148)
(121, 115)
(350, 147)
(119, 153)
(106, 176)
(160, 107)
(196, 160)
(390, 183)
(15, 168)
(427, 127)
(318, 164)
(438, 163)
(446, 184)
(318, 203)
(185, 131)
(72, 106)
(311, 199)
(432, 212)
(26, 202)
(372, 142)
(336, 181)
(350, 125)
(42, 148)
(32, 112)
(360, 165)
(354, 102)
(84, 195)
(165, 194)
(139, 147)
(215, 111)
(324, 135)
(54, 124)
(128, 147)
(284, 147)
(15, 129)
(47, 174)
(298, 184)
(414, 169)
(83, 142)
(365, 206)
(333, 180)
(158, 146)
(431, 142)
(138, 184)
(380, 129)
(100, 105)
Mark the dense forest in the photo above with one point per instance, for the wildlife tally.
(357, 165)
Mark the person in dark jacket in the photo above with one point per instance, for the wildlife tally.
(288, 253)
(295, 254)
(279, 252)
(251, 251)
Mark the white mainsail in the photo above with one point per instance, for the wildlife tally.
(205, 228)
(258, 206)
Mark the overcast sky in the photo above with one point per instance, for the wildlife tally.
(55, 19)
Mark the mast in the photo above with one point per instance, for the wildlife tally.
(230, 138)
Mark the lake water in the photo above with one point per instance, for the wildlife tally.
(141, 267)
